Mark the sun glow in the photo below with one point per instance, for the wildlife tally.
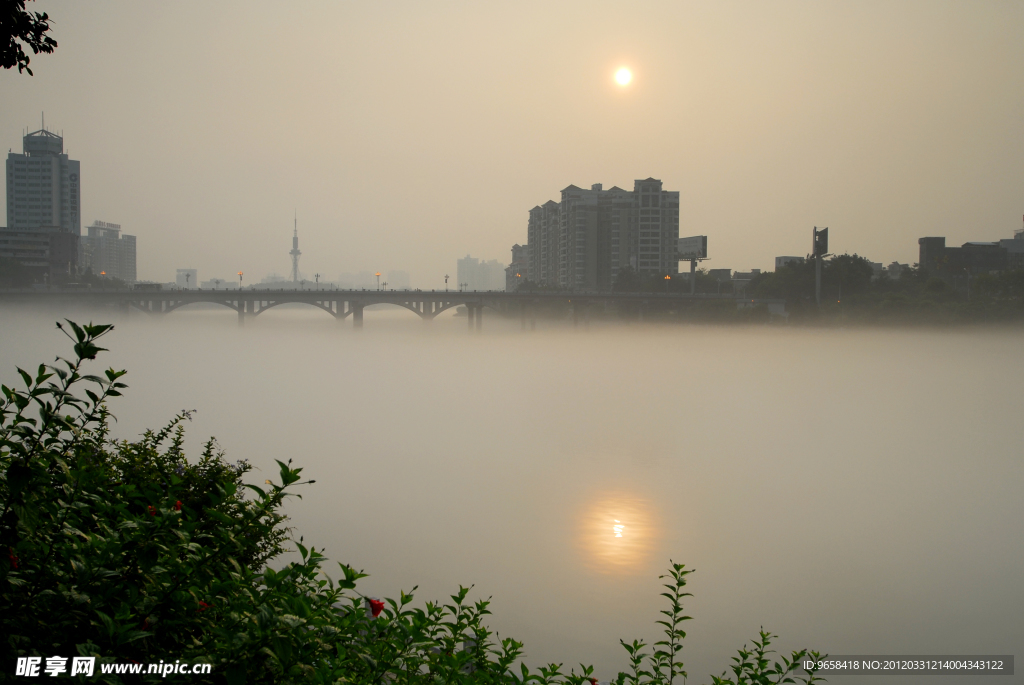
(623, 76)
(617, 533)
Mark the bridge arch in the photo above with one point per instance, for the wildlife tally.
(171, 306)
(319, 305)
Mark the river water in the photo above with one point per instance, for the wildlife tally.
(854, 491)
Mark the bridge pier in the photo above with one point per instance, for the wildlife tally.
(479, 317)
(469, 314)
(357, 316)
(241, 312)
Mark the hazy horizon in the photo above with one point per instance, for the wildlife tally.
(408, 135)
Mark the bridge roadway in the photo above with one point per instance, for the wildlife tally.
(341, 303)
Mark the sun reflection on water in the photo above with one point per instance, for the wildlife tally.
(617, 532)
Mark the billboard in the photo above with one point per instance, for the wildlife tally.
(820, 242)
(694, 247)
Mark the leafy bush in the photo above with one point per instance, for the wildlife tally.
(128, 552)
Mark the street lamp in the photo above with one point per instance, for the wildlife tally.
(378, 280)
(186, 280)
(385, 285)
(446, 282)
(239, 280)
(317, 277)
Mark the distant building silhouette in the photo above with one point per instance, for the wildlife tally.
(398, 280)
(581, 242)
(43, 208)
(783, 261)
(105, 249)
(516, 272)
(43, 186)
(187, 279)
(476, 274)
(936, 259)
(1014, 249)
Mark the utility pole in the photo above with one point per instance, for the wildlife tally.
(819, 249)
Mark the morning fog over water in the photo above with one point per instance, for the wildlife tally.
(854, 491)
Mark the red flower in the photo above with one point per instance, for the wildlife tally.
(14, 559)
(376, 606)
(177, 505)
(593, 681)
(145, 624)
(152, 510)
(203, 606)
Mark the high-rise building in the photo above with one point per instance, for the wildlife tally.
(542, 239)
(43, 205)
(105, 251)
(43, 186)
(581, 242)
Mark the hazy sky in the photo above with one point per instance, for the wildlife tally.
(407, 135)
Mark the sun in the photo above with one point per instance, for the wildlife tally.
(623, 76)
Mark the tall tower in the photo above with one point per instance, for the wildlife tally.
(295, 252)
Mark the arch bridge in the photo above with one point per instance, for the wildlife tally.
(341, 304)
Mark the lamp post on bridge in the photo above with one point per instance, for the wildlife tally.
(446, 282)
(378, 280)
(239, 280)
